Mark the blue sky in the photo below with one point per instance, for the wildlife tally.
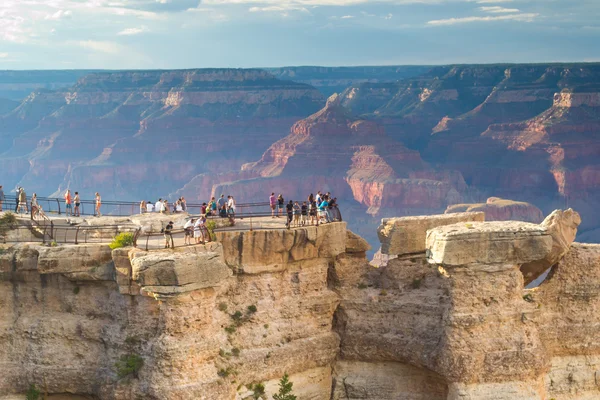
(117, 34)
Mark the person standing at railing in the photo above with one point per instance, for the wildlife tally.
(203, 209)
(35, 207)
(149, 206)
(22, 200)
(98, 204)
(280, 204)
(142, 206)
(158, 206)
(1, 197)
(68, 205)
(168, 235)
(188, 228)
(183, 204)
(199, 228)
(273, 203)
(290, 213)
(304, 213)
(212, 206)
(77, 202)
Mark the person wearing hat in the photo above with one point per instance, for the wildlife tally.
(168, 235)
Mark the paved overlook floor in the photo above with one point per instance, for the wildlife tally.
(103, 229)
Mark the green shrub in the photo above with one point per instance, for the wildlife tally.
(252, 309)
(416, 283)
(123, 239)
(129, 364)
(7, 222)
(225, 372)
(76, 290)
(259, 391)
(285, 389)
(528, 297)
(230, 329)
(223, 307)
(235, 352)
(32, 393)
(53, 243)
(237, 316)
(362, 286)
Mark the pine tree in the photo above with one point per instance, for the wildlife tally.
(285, 389)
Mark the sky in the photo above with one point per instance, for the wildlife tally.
(165, 34)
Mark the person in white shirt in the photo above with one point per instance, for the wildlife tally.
(230, 205)
(158, 206)
(189, 231)
(199, 230)
(149, 207)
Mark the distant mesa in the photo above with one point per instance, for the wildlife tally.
(497, 209)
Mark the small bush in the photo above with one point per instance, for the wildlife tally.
(32, 393)
(383, 293)
(237, 316)
(266, 326)
(129, 364)
(7, 222)
(362, 286)
(223, 307)
(132, 340)
(123, 239)
(252, 309)
(259, 391)
(235, 352)
(230, 329)
(528, 298)
(210, 227)
(416, 283)
(225, 372)
(76, 290)
(53, 243)
(285, 389)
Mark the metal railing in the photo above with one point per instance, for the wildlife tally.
(68, 234)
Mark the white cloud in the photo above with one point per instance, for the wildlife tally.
(527, 17)
(60, 14)
(499, 10)
(3, 55)
(493, 1)
(347, 17)
(100, 46)
(133, 31)
(389, 16)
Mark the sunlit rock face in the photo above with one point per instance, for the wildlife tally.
(448, 319)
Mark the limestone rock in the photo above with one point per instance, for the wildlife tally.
(355, 243)
(407, 235)
(270, 250)
(497, 209)
(508, 243)
(166, 274)
(78, 262)
(562, 226)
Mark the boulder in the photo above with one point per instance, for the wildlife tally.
(507, 243)
(78, 262)
(407, 235)
(356, 244)
(167, 274)
(562, 226)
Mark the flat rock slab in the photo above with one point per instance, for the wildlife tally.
(498, 242)
(407, 235)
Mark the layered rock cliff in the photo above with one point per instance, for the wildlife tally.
(153, 130)
(449, 318)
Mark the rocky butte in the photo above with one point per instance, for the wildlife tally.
(447, 319)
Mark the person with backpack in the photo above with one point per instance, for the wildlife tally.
(280, 204)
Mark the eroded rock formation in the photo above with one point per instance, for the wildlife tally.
(447, 319)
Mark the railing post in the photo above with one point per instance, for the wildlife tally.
(147, 238)
(52, 230)
(58, 202)
(76, 235)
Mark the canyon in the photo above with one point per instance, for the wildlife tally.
(447, 318)
(404, 140)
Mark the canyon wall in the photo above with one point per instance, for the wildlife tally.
(448, 318)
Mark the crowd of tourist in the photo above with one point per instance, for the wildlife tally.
(318, 209)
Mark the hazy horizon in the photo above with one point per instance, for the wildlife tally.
(190, 34)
